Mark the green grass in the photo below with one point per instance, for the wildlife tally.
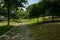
(48, 31)
(11, 23)
(35, 29)
(4, 29)
(32, 21)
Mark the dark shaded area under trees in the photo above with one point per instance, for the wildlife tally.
(44, 8)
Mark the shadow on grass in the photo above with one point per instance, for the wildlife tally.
(46, 31)
(4, 29)
(39, 23)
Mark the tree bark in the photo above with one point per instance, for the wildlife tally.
(8, 15)
(43, 18)
(37, 19)
(52, 17)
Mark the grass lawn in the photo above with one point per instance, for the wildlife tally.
(38, 32)
(48, 31)
(4, 29)
(11, 23)
(32, 21)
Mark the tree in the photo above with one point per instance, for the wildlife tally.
(13, 5)
(35, 10)
(20, 13)
(53, 7)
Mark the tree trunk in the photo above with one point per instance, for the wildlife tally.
(43, 18)
(37, 19)
(52, 17)
(8, 15)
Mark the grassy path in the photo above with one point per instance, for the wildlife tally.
(19, 33)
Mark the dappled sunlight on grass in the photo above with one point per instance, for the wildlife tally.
(11, 23)
(32, 21)
(14, 23)
(57, 19)
(3, 23)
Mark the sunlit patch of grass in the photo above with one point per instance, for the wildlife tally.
(48, 31)
(3, 23)
(14, 23)
(11, 23)
(4, 29)
(32, 21)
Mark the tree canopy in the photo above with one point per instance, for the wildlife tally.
(41, 8)
(12, 5)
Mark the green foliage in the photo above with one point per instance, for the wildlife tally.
(44, 8)
(35, 10)
(15, 3)
(20, 13)
(26, 15)
(12, 5)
